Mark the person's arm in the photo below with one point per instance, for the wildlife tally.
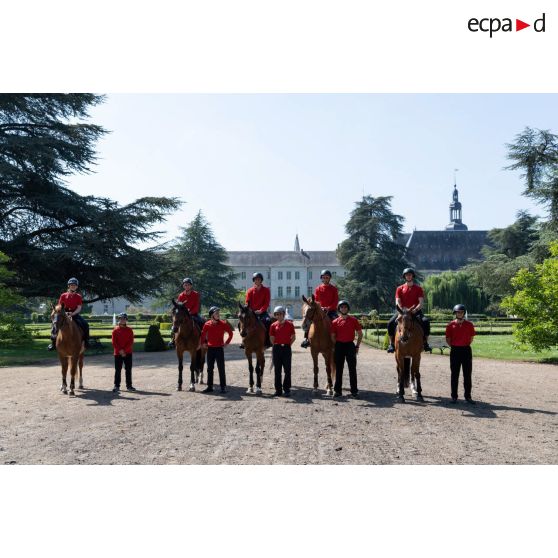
(333, 333)
(473, 333)
(76, 311)
(448, 333)
(196, 304)
(418, 306)
(229, 331)
(333, 307)
(203, 336)
(265, 304)
(359, 339)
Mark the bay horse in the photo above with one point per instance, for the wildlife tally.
(320, 340)
(187, 338)
(69, 346)
(253, 334)
(409, 341)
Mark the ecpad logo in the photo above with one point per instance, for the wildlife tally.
(493, 25)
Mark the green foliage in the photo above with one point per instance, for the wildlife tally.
(7, 296)
(154, 341)
(197, 254)
(13, 331)
(515, 240)
(52, 233)
(535, 152)
(536, 302)
(372, 255)
(35, 317)
(454, 287)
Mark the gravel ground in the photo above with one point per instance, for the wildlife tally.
(515, 420)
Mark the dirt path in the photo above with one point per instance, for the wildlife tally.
(515, 420)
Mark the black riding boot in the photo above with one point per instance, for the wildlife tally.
(305, 343)
(391, 346)
(52, 345)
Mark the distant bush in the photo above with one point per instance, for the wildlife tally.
(13, 331)
(34, 317)
(154, 341)
(163, 326)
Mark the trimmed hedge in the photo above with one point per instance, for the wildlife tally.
(154, 341)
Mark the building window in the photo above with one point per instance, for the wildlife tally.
(243, 275)
(309, 275)
(297, 292)
(279, 275)
(289, 292)
(288, 274)
(297, 274)
(309, 291)
(268, 275)
(334, 273)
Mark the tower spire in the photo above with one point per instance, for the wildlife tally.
(296, 244)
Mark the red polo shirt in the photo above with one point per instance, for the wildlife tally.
(460, 334)
(123, 339)
(281, 333)
(213, 332)
(345, 329)
(191, 301)
(70, 300)
(409, 296)
(327, 296)
(258, 299)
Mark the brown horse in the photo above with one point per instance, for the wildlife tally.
(320, 340)
(70, 347)
(252, 332)
(409, 339)
(187, 338)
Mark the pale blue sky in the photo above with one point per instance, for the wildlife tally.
(264, 167)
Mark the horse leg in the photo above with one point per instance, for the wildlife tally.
(316, 368)
(260, 364)
(413, 382)
(415, 371)
(64, 364)
(251, 370)
(401, 379)
(192, 386)
(80, 371)
(73, 371)
(328, 363)
(180, 368)
(200, 358)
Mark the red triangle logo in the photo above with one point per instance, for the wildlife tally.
(519, 25)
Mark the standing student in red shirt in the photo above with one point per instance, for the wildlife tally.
(409, 295)
(123, 344)
(282, 335)
(73, 303)
(258, 298)
(212, 339)
(327, 296)
(459, 336)
(343, 331)
(191, 299)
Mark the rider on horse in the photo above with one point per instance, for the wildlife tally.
(258, 298)
(73, 303)
(409, 295)
(327, 296)
(191, 300)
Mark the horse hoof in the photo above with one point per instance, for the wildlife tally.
(420, 397)
(401, 399)
(72, 392)
(192, 387)
(178, 388)
(250, 390)
(329, 392)
(258, 391)
(80, 386)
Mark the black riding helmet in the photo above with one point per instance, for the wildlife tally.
(459, 307)
(187, 280)
(343, 302)
(325, 272)
(122, 315)
(212, 310)
(256, 275)
(408, 270)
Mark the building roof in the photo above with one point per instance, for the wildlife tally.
(271, 257)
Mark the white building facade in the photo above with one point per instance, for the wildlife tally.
(289, 274)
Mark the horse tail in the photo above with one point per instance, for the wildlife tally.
(407, 371)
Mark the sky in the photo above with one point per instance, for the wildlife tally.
(263, 168)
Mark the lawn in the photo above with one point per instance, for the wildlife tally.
(499, 347)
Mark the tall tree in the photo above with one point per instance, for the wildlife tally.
(51, 233)
(198, 255)
(516, 239)
(372, 254)
(536, 302)
(535, 152)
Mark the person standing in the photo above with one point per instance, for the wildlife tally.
(459, 336)
(282, 335)
(343, 331)
(212, 339)
(327, 296)
(123, 344)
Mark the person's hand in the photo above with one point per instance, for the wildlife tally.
(205, 346)
(122, 353)
(258, 312)
(357, 348)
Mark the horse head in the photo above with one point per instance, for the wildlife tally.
(58, 317)
(405, 324)
(180, 315)
(246, 318)
(311, 309)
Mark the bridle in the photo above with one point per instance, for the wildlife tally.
(249, 321)
(407, 318)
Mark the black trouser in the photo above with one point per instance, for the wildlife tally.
(216, 354)
(127, 362)
(282, 356)
(345, 351)
(461, 357)
(419, 316)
